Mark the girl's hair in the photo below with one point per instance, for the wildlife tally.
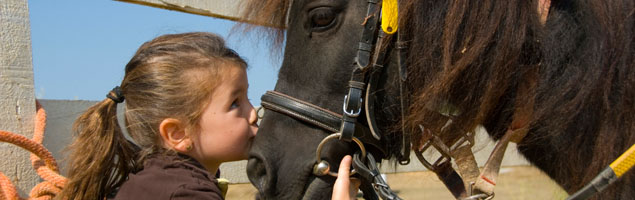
(171, 76)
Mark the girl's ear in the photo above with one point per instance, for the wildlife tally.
(173, 134)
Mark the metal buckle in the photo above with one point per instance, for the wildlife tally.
(352, 113)
(322, 167)
(440, 161)
(473, 196)
(445, 151)
(467, 137)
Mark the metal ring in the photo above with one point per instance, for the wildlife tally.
(333, 136)
(481, 196)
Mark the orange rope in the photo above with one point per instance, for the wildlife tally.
(7, 190)
(41, 159)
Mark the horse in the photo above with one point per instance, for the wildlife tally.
(561, 70)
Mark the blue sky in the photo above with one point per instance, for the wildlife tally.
(80, 47)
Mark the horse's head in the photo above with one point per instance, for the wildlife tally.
(468, 64)
(323, 37)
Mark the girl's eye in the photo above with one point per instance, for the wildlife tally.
(234, 104)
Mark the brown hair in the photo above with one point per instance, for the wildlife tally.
(168, 77)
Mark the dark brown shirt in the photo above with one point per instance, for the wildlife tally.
(170, 177)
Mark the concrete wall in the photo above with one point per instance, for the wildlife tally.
(17, 99)
(62, 114)
(60, 117)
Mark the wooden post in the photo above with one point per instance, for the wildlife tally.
(213, 8)
(17, 98)
(224, 9)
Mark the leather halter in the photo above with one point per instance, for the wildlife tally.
(363, 80)
(314, 115)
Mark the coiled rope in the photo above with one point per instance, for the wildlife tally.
(41, 159)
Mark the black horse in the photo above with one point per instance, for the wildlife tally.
(471, 56)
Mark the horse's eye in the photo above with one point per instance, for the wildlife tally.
(321, 18)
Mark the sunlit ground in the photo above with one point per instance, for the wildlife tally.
(514, 183)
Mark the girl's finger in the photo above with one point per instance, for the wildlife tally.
(341, 189)
(345, 167)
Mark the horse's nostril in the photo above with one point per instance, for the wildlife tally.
(257, 173)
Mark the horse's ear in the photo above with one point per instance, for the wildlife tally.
(543, 10)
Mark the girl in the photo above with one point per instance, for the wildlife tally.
(187, 112)
(186, 109)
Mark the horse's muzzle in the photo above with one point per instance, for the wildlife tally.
(258, 172)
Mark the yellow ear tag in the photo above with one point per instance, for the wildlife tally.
(389, 18)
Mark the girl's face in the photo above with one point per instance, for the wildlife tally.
(228, 123)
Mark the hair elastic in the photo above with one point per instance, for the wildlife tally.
(115, 95)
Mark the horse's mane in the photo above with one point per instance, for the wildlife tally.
(472, 55)
(272, 13)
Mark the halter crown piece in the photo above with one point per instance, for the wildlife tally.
(115, 95)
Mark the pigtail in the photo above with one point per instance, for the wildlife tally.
(171, 76)
(101, 157)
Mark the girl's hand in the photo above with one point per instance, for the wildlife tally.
(343, 189)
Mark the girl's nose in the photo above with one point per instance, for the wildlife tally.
(253, 121)
(253, 116)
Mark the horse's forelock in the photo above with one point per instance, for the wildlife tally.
(272, 14)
